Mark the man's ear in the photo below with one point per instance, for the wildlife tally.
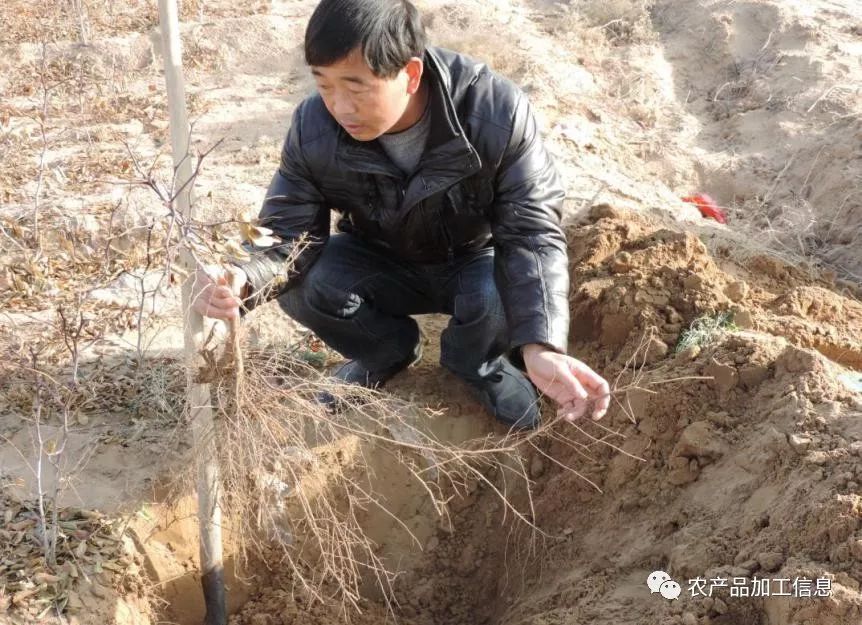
(414, 70)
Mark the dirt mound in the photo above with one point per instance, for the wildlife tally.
(738, 455)
(630, 273)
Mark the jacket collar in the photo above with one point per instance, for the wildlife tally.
(448, 157)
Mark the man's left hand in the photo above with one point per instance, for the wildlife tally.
(568, 381)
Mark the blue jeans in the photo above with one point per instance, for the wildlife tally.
(358, 300)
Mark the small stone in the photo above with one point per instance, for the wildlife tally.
(673, 316)
(698, 440)
(751, 376)
(681, 471)
(689, 619)
(856, 549)
(725, 377)
(656, 350)
(770, 561)
(689, 353)
(621, 263)
(736, 291)
(719, 606)
(743, 319)
(432, 543)
(693, 282)
(799, 443)
(856, 448)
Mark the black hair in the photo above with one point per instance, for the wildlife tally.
(389, 33)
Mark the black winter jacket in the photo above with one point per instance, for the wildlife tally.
(484, 179)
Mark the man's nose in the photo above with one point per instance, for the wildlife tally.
(343, 106)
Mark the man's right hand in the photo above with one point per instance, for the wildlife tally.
(216, 291)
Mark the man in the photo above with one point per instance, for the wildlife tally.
(448, 203)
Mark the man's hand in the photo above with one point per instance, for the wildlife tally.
(567, 381)
(216, 291)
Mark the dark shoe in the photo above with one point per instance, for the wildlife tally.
(510, 397)
(354, 372)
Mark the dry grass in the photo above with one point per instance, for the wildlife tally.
(623, 21)
(704, 330)
(84, 20)
(297, 478)
(803, 235)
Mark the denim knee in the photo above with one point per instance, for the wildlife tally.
(484, 306)
(476, 334)
(315, 298)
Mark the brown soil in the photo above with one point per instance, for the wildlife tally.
(734, 452)
(750, 471)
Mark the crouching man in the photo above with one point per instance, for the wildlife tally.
(448, 202)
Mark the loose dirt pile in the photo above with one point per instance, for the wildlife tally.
(741, 454)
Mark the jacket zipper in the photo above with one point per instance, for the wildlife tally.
(450, 247)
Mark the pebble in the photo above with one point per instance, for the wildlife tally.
(621, 263)
(656, 350)
(799, 443)
(743, 319)
(689, 353)
(736, 291)
(725, 377)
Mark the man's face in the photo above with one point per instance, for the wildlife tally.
(365, 105)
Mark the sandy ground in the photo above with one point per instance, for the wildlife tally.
(749, 472)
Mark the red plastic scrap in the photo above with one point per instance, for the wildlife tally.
(707, 207)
